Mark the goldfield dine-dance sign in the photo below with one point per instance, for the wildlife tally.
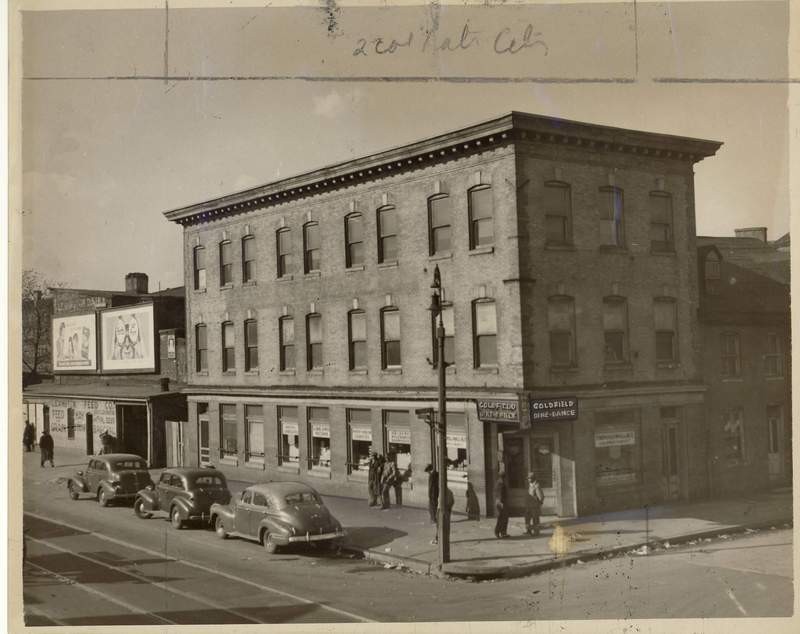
(552, 409)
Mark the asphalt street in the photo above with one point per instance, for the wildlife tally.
(88, 565)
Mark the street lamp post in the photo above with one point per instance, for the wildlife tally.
(441, 518)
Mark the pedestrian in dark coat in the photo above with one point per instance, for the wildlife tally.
(28, 436)
(433, 491)
(46, 447)
(388, 478)
(501, 506)
(533, 507)
(473, 505)
(373, 479)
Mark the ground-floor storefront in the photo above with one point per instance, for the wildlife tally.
(77, 415)
(623, 449)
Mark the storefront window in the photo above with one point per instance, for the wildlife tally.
(289, 439)
(227, 432)
(617, 448)
(359, 431)
(457, 443)
(398, 440)
(254, 419)
(319, 435)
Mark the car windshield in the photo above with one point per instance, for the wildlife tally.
(209, 482)
(302, 497)
(129, 464)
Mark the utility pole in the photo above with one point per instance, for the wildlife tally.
(442, 517)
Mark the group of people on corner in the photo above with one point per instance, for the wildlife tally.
(533, 506)
(47, 446)
(383, 476)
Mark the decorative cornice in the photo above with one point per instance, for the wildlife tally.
(512, 127)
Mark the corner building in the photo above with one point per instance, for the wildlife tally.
(568, 262)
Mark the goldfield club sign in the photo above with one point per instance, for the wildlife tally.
(498, 410)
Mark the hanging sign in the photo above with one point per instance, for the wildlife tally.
(498, 410)
(400, 436)
(290, 429)
(320, 430)
(361, 433)
(552, 409)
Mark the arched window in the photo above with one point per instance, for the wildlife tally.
(225, 263)
(481, 217)
(228, 347)
(388, 247)
(250, 345)
(199, 260)
(312, 252)
(440, 221)
(283, 239)
(248, 259)
(286, 335)
(201, 347)
(314, 341)
(354, 240)
(484, 320)
(357, 339)
(390, 338)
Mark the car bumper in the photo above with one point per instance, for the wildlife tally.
(318, 537)
(121, 495)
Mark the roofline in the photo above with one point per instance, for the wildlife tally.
(493, 133)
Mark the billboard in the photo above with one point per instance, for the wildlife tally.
(75, 343)
(127, 339)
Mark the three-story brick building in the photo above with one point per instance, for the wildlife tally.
(568, 262)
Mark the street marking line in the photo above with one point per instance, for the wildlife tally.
(106, 597)
(736, 601)
(206, 569)
(156, 584)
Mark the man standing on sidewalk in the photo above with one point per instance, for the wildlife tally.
(388, 479)
(533, 507)
(373, 479)
(46, 447)
(433, 491)
(501, 506)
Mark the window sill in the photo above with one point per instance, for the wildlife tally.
(198, 291)
(774, 378)
(355, 268)
(610, 248)
(228, 460)
(322, 474)
(312, 274)
(436, 257)
(358, 372)
(229, 373)
(669, 365)
(255, 463)
(226, 287)
(286, 278)
(250, 283)
(287, 372)
(565, 369)
(487, 370)
(288, 468)
(251, 373)
(732, 379)
(201, 373)
(671, 253)
(315, 372)
(559, 247)
(481, 250)
(622, 365)
(386, 371)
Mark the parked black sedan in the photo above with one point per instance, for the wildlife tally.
(111, 477)
(184, 495)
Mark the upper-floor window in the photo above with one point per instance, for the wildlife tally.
(731, 355)
(312, 252)
(666, 330)
(561, 323)
(225, 263)
(201, 347)
(390, 338)
(354, 240)
(661, 230)
(388, 247)
(557, 213)
(449, 335)
(773, 360)
(286, 334)
(314, 341)
(357, 336)
(484, 319)
(615, 329)
(440, 220)
(248, 259)
(199, 259)
(481, 217)
(228, 347)
(283, 238)
(612, 221)
(251, 344)
(711, 272)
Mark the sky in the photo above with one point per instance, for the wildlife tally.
(256, 94)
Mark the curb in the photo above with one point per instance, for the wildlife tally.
(522, 570)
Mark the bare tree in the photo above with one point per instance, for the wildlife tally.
(37, 314)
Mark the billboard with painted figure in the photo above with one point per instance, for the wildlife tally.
(127, 338)
(75, 343)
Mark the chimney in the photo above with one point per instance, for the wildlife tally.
(136, 283)
(759, 233)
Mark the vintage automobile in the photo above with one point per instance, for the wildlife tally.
(111, 477)
(184, 494)
(277, 514)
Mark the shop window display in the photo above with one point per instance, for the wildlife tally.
(289, 436)
(319, 438)
(359, 430)
(398, 440)
(617, 448)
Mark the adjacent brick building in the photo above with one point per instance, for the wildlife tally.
(568, 260)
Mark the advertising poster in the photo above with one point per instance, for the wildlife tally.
(75, 343)
(126, 335)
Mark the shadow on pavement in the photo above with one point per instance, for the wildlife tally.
(372, 536)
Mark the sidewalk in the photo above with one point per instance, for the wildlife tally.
(401, 536)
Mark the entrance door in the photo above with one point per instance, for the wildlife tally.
(516, 460)
(523, 454)
(544, 463)
(203, 441)
(775, 454)
(174, 442)
(670, 462)
(89, 434)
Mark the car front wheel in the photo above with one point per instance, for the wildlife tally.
(102, 498)
(138, 508)
(269, 544)
(175, 517)
(73, 491)
(219, 528)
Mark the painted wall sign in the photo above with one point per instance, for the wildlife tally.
(552, 409)
(74, 343)
(399, 436)
(498, 410)
(320, 430)
(127, 338)
(361, 433)
(290, 429)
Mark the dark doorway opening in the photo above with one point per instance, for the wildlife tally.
(89, 434)
(133, 436)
